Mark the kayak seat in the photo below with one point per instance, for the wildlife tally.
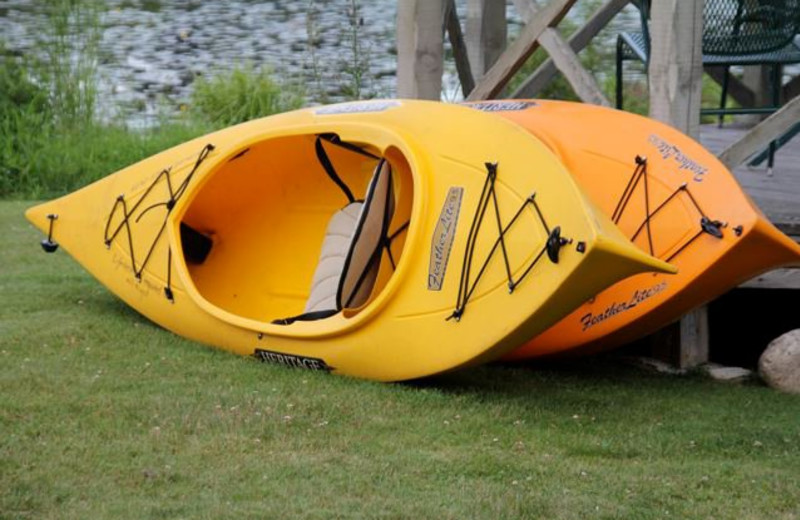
(351, 252)
(335, 247)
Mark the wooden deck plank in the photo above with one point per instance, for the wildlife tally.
(778, 195)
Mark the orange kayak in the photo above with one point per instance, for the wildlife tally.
(672, 198)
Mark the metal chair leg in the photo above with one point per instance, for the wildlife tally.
(722, 102)
(776, 102)
(620, 43)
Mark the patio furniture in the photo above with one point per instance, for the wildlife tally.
(735, 33)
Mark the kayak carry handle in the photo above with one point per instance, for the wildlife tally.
(48, 244)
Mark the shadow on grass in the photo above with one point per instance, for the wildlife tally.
(603, 385)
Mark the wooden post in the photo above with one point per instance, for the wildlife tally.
(420, 48)
(694, 339)
(676, 63)
(486, 33)
(675, 73)
(737, 90)
(791, 89)
(757, 79)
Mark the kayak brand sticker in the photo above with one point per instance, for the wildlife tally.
(358, 107)
(589, 319)
(443, 236)
(290, 360)
(668, 150)
(501, 106)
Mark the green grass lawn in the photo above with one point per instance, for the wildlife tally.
(104, 415)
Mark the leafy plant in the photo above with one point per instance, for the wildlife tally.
(25, 122)
(241, 94)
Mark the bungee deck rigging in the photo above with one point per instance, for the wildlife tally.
(120, 204)
(707, 225)
(552, 245)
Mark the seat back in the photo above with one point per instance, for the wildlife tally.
(350, 256)
(335, 248)
(360, 269)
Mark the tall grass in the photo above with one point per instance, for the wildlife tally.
(353, 77)
(70, 44)
(241, 94)
(355, 66)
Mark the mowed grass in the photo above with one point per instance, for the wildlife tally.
(105, 415)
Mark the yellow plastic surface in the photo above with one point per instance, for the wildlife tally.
(264, 200)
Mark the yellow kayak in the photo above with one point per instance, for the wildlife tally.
(384, 239)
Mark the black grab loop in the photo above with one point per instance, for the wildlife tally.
(327, 165)
(48, 244)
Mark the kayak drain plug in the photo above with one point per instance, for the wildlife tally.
(48, 244)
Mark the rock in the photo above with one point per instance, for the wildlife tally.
(779, 365)
(728, 374)
(653, 365)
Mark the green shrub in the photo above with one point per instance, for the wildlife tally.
(241, 94)
(25, 123)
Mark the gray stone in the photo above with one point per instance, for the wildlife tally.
(653, 365)
(728, 374)
(779, 365)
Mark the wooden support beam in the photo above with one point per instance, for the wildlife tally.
(565, 59)
(791, 89)
(578, 41)
(498, 76)
(486, 33)
(760, 135)
(581, 81)
(676, 70)
(675, 74)
(775, 279)
(420, 48)
(737, 90)
(460, 54)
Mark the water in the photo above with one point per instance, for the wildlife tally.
(152, 50)
(149, 58)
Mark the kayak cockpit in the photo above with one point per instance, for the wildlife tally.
(297, 228)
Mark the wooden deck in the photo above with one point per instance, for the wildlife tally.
(778, 195)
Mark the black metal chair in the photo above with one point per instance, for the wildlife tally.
(735, 33)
